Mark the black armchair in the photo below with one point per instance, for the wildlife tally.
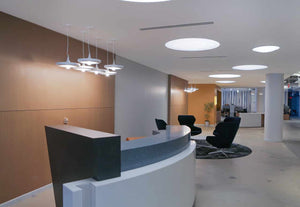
(224, 135)
(161, 124)
(233, 119)
(189, 121)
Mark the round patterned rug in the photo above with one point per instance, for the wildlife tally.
(236, 150)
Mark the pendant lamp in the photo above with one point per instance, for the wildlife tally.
(114, 66)
(89, 60)
(67, 64)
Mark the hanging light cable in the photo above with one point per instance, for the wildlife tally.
(114, 66)
(67, 64)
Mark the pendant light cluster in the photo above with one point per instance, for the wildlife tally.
(190, 89)
(90, 64)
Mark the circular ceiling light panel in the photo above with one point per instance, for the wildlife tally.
(250, 67)
(226, 81)
(146, 1)
(192, 44)
(266, 49)
(224, 76)
(263, 81)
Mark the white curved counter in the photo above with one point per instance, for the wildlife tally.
(167, 183)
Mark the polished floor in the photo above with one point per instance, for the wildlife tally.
(269, 177)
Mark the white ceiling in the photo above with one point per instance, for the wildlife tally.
(239, 25)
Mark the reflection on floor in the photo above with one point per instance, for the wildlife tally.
(269, 177)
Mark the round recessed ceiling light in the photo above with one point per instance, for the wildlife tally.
(226, 81)
(266, 49)
(192, 44)
(250, 67)
(146, 1)
(224, 76)
(263, 81)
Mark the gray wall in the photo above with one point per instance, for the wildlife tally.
(141, 95)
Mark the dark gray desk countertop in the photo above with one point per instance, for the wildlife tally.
(148, 150)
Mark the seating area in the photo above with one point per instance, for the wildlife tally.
(223, 135)
(187, 120)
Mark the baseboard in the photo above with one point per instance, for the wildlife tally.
(25, 196)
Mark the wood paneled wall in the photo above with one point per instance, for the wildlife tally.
(34, 92)
(196, 101)
(178, 99)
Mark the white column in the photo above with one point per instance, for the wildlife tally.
(274, 107)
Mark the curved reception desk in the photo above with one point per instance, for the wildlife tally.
(154, 171)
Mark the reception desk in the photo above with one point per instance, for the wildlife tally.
(154, 171)
(251, 119)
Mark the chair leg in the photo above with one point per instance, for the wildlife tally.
(223, 151)
(206, 146)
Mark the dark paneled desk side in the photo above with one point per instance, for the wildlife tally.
(77, 153)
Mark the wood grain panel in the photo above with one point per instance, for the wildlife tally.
(23, 144)
(196, 101)
(34, 93)
(29, 78)
(178, 99)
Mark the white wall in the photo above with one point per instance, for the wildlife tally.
(254, 100)
(261, 100)
(141, 95)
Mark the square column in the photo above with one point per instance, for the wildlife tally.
(274, 107)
